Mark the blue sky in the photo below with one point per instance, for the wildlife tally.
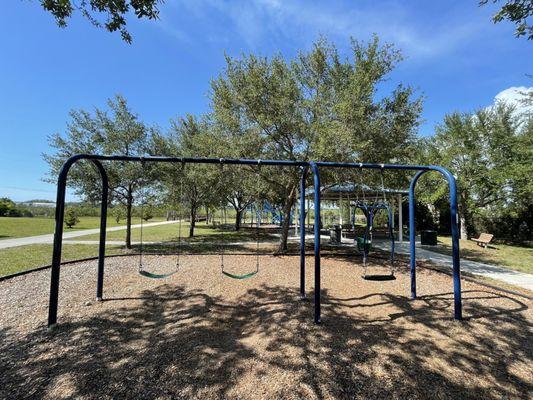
(454, 55)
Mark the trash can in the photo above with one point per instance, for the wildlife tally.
(338, 233)
(428, 238)
(335, 234)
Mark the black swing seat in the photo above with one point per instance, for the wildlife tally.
(389, 277)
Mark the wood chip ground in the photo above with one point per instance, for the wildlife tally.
(201, 335)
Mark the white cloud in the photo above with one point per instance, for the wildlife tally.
(515, 96)
(257, 22)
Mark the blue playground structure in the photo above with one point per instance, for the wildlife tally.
(276, 214)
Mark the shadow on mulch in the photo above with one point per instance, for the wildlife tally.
(182, 344)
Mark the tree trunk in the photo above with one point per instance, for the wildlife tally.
(193, 222)
(463, 217)
(463, 235)
(206, 215)
(286, 223)
(129, 206)
(238, 219)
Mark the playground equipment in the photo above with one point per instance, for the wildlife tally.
(276, 215)
(257, 224)
(305, 167)
(370, 209)
(143, 271)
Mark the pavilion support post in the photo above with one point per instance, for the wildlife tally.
(400, 219)
(302, 232)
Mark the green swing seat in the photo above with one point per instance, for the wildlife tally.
(155, 276)
(239, 276)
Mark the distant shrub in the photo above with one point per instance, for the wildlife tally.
(71, 218)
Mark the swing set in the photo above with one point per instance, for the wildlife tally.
(305, 167)
(141, 268)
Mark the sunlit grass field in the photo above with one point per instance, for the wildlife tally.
(170, 233)
(11, 227)
(23, 258)
(513, 257)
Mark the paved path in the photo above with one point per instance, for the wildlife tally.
(511, 277)
(49, 238)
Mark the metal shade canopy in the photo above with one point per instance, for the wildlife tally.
(352, 190)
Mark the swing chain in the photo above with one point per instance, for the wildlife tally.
(222, 247)
(142, 187)
(180, 216)
(257, 195)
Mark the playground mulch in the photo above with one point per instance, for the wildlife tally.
(201, 335)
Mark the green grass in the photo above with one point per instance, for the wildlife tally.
(169, 233)
(11, 227)
(23, 258)
(513, 257)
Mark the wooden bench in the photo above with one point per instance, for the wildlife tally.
(483, 240)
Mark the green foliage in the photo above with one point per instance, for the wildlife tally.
(118, 212)
(518, 12)
(8, 208)
(191, 185)
(113, 11)
(491, 154)
(147, 214)
(116, 130)
(71, 218)
(6, 205)
(317, 106)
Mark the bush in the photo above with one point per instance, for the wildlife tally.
(71, 218)
(147, 214)
(118, 212)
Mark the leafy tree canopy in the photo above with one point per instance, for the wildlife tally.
(317, 106)
(518, 12)
(116, 130)
(109, 14)
(490, 153)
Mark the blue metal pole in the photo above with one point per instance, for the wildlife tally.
(316, 179)
(391, 233)
(103, 226)
(58, 241)
(456, 261)
(412, 232)
(302, 232)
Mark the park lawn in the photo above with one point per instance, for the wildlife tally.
(23, 258)
(11, 227)
(169, 233)
(513, 257)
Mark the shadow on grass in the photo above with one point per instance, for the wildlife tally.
(174, 343)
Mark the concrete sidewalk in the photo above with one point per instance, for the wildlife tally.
(49, 238)
(502, 274)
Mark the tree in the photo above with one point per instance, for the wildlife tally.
(199, 184)
(317, 106)
(113, 11)
(118, 212)
(6, 206)
(516, 11)
(489, 152)
(113, 131)
(71, 218)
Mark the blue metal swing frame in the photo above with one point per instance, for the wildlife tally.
(306, 167)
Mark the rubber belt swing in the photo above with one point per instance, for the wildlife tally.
(248, 274)
(371, 211)
(141, 270)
